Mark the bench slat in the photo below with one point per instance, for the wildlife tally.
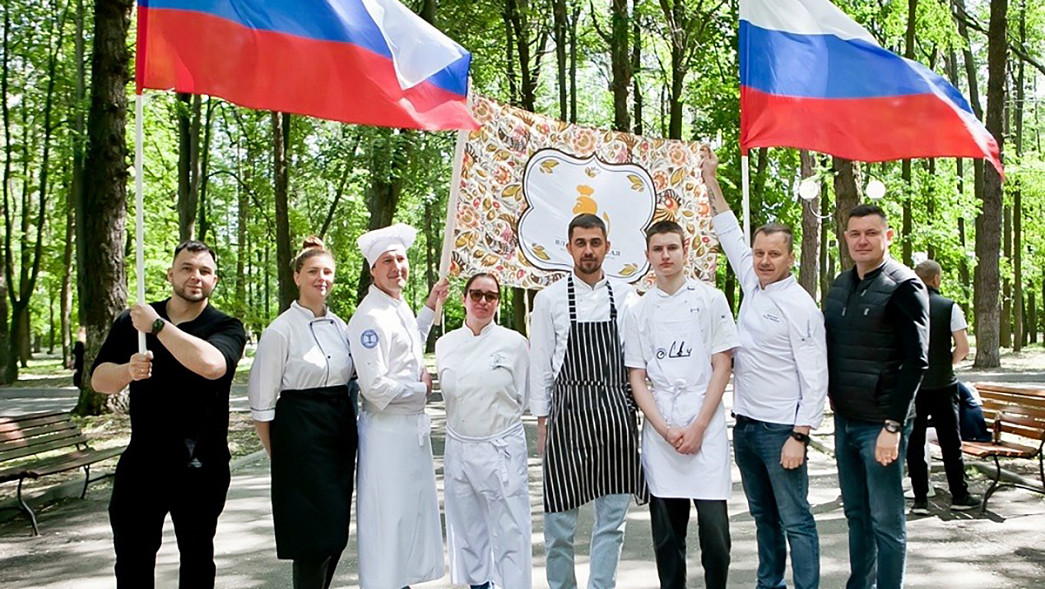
(1004, 388)
(74, 460)
(35, 431)
(1003, 449)
(53, 444)
(14, 423)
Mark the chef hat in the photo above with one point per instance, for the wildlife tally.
(376, 242)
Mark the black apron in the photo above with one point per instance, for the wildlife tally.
(593, 441)
(314, 441)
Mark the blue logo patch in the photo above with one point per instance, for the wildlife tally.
(369, 339)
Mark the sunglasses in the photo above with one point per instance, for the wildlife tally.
(478, 295)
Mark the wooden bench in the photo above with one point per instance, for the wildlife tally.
(1018, 418)
(40, 444)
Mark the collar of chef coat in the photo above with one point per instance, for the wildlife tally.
(385, 297)
(485, 330)
(308, 312)
(779, 285)
(581, 285)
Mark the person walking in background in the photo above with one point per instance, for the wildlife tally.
(937, 398)
(483, 369)
(298, 393)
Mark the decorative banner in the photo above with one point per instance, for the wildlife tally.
(523, 177)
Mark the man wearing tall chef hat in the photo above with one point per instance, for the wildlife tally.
(400, 538)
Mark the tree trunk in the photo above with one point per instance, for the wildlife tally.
(281, 175)
(103, 290)
(1005, 329)
(1017, 218)
(988, 238)
(905, 169)
(79, 143)
(930, 205)
(559, 36)
(847, 196)
(826, 276)
(808, 262)
(636, 67)
(1032, 315)
(7, 271)
(67, 290)
(202, 221)
(188, 115)
(573, 62)
(387, 160)
(620, 64)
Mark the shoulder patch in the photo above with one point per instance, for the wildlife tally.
(369, 339)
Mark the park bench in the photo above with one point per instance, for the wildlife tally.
(1018, 418)
(41, 444)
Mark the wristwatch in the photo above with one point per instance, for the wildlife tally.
(804, 438)
(157, 326)
(892, 427)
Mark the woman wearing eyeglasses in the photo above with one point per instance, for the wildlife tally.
(483, 373)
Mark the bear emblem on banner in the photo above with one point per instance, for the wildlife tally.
(622, 195)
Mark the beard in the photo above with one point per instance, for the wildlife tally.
(186, 294)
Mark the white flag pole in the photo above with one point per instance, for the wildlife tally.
(139, 214)
(451, 207)
(745, 182)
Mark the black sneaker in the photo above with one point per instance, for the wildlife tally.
(920, 507)
(966, 503)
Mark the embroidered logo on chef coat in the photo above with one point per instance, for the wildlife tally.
(771, 317)
(678, 350)
(497, 360)
(369, 339)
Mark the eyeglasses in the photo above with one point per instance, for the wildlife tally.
(478, 295)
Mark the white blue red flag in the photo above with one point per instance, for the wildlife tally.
(371, 62)
(812, 78)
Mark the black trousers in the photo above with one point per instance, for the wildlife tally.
(670, 519)
(942, 406)
(315, 573)
(144, 492)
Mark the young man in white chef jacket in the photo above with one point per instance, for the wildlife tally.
(679, 340)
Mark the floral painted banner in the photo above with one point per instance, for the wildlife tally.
(523, 177)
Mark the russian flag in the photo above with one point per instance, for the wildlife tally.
(370, 62)
(812, 78)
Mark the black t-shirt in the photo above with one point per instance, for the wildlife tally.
(178, 416)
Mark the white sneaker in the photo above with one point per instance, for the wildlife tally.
(909, 493)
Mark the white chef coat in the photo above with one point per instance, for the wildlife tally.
(297, 351)
(780, 369)
(397, 508)
(550, 328)
(486, 493)
(673, 337)
(483, 379)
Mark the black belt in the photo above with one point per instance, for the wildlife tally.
(744, 419)
(317, 392)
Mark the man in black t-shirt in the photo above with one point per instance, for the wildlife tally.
(178, 458)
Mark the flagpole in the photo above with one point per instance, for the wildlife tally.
(745, 182)
(139, 214)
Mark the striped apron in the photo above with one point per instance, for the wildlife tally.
(593, 444)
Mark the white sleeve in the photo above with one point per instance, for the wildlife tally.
(542, 352)
(958, 322)
(723, 336)
(809, 346)
(522, 372)
(734, 245)
(371, 360)
(266, 374)
(633, 357)
(425, 318)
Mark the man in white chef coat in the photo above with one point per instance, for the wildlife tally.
(679, 339)
(779, 390)
(400, 537)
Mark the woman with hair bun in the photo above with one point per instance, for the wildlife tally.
(483, 370)
(299, 400)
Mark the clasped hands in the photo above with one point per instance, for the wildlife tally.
(685, 439)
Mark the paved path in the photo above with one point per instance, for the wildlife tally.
(1002, 550)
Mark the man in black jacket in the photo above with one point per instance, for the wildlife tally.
(877, 317)
(938, 397)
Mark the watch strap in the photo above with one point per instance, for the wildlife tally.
(157, 326)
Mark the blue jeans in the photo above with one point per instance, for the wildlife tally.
(607, 539)
(777, 500)
(872, 497)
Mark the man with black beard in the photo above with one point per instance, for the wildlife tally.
(177, 461)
